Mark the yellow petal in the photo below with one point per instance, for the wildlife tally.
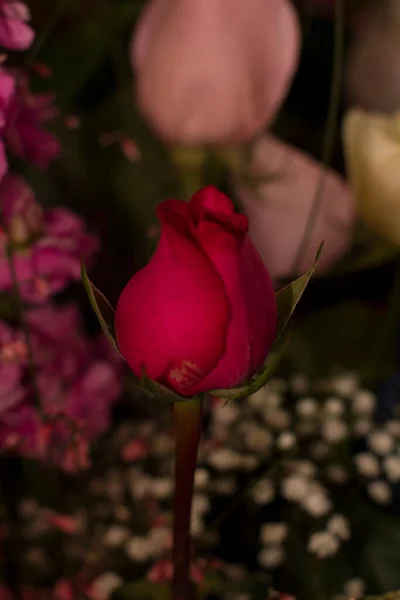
(372, 149)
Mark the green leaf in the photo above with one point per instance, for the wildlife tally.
(288, 297)
(142, 590)
(101, 306)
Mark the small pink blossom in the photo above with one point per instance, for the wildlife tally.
(23, 129)
(12, 363)
(64, 523)
(78, 381)
(7, 90)
(15, 33)
(48, 245)
(134, 450)
(163, 571)
(5, 593)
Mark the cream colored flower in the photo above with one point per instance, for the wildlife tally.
(367, 464)
(354, 588)
(263, 492)
(391, 465)
(380, 492)
(273, 533)
(339, 526)
(323, 544)
(372, 148)
(380, 442)
(271, 557)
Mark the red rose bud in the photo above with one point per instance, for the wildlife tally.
(202, 314)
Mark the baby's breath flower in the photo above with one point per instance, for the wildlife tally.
(28, 508)
(138, 548)
(323, 544)
(391, 464)
(248, 462)
(354, 588)
(201, 479)
(286, 440)
(263, 492)
(319, 450)
(363, 426)
(105, 584)
(334, 430)
(161, 487)
(258, 439)
(367, 464)
(303, 467)
(364, 402)
(160, 540)
(339, 526)
(345, 384)
(225, 486)
(316, 503)
(334, 407)
(200, 504)
(380, 442)
(122, 513)
(271, 557)
(196, 525)
(294, 488)
(273, 533)
(259, 398)
(115, 536)
(307, 407)
(226, 413)
(299, 383)
(380, 492)
(224, 459)
(337, 474)
(277, 418)
(393, 427)
(277, 385)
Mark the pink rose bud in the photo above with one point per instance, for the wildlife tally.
(202, 314)
(213, 71)
(279, 209)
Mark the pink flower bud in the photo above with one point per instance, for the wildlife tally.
(202, 314)
(278, 211)
(213, 71)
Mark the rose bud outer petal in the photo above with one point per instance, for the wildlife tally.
(172, 316)
(222, 234)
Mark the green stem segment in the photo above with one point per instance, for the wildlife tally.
(188, 421)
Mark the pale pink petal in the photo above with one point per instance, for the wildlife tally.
(279, 209)
(213, 72)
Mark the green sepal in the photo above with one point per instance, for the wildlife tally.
(159, 391)
(102, 308)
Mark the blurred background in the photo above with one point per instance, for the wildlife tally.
(108, 107)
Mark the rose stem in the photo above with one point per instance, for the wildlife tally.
(188, 421)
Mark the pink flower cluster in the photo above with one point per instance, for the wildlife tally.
(15, 33)
(48, 245)
(77, 379)
(21, 116)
